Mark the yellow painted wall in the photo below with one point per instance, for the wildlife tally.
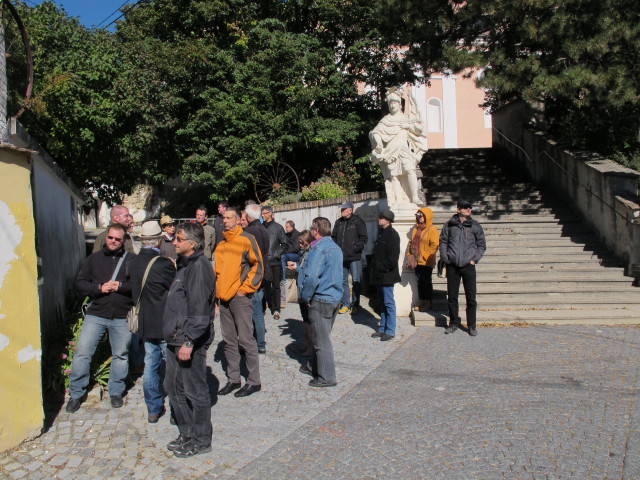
(21, 414)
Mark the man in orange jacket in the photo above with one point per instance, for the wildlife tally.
(424, 246)
(239, 270)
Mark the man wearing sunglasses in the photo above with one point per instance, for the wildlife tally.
(462, 245)
(104, 278)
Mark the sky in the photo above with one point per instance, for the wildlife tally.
(91, 12)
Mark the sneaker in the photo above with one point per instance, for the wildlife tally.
(386, 338)
(276, 315)
(319, 383)
(376, 334)
(188, 449)
(451, 329)
(153, 418)
(473, 332)
(73, 405)
(343, 309)
(177, 443)
(306, 370)
(354, 310)
(116, 401)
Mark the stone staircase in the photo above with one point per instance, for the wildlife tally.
(542, 264)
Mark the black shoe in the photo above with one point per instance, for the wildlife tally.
(156, 416)
(116, 401)
(473, 332)
(247, 390)
(262, 350)
(451, 329)
(228, 388)
(73, 405)
(318, 382)
(177, 443)
(386, 338)
(188, 449)
(376, 334)
(306, 370)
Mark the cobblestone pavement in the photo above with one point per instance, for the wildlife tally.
(100, 442)
(537, 402)
(518, 403)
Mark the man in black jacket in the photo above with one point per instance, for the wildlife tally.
(462, 245)
(277, 246)
(151, 293)
(261, 235)
(385, 273)
(188, 330)
(350, 234)
(104, 278)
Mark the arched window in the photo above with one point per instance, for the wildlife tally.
(434, 115)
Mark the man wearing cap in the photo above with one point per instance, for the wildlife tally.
(168, 233)
(385, 273)
(150, 294)
(462, 245)
(350, 234)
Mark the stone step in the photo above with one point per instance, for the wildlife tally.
(607, 259)
(584, 268)
(518, 277)
(535, 299)
(552, 287)
(551, 316)
(507, 241)
(567, 249)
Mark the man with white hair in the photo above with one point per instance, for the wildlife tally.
(255, 228)
(151, 278)
(118, 214)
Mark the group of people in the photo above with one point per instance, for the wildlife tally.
(184, 273)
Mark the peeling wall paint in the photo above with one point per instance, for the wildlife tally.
(21, 415)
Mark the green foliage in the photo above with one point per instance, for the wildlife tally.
(580, 58)
(322, 189)
(343, 172)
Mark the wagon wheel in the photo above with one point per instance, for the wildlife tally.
(275, 179)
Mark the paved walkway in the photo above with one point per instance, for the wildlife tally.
(517, 403)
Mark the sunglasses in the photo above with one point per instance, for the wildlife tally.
(115, 239)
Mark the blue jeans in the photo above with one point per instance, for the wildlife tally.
(155, 354)
(258, 318)
(93, 328)
(355, 268)
(387, 309)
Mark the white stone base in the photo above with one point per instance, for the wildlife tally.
(405, 292)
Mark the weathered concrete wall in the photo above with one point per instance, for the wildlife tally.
(366, 205)
(21, 415)
(602, 191)
(60, 242)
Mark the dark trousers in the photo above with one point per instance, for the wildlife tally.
(186, 384)
(272, 289)
(468, 276)
(425, 284)
(322, 316)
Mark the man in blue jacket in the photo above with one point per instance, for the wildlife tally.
(320, 288)
(188, 331)
(462, 245)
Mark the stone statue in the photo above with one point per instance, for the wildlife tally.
(398, 144)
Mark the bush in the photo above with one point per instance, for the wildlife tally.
(323, 188)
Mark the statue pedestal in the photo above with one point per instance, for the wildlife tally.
(405, 292)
